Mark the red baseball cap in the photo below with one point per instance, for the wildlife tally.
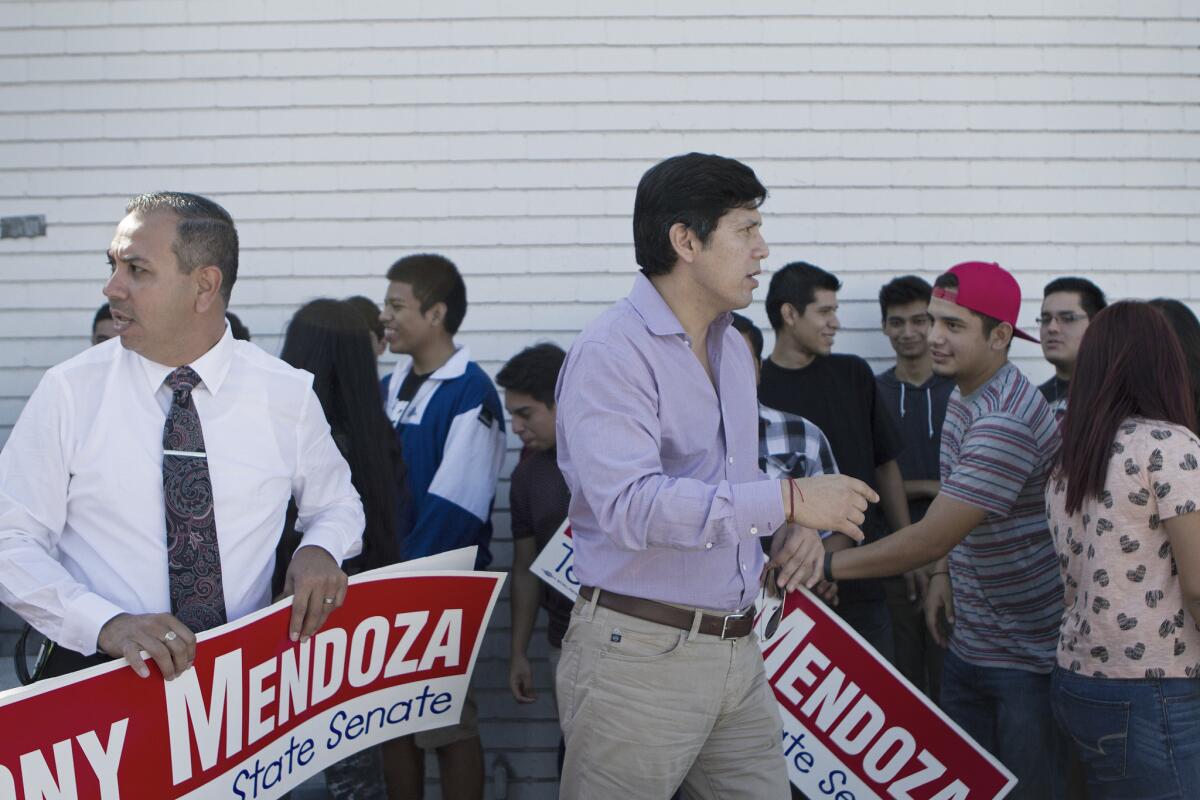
(987, 289)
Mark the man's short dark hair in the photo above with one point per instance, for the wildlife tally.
(533, 371)
(744, 326)
(434, 279)
(1091, 297)
(102, 313)
(696, 189)
(950, 281)
(204, 232)
(796, 284)
(237, 327)
(902, 291)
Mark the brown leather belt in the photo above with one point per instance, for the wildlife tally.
(726, 626)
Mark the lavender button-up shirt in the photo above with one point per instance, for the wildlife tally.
(667, 500)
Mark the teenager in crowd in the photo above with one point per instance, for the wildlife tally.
(1006, 600)
(1121, 505)
(1067, 305)
(837, 393)
(917, 397)
(538, 500)
(450, 426)
(329, 339)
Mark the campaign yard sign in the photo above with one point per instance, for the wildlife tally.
(257, 714)
(853, 727)
(556, 563)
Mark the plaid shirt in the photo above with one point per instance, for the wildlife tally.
(790, 446)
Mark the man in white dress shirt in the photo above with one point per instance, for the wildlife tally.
(99, 549)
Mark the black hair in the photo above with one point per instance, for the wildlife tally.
(744, 326)
(796, 285)
(1091, 298)
(204, 232)
(434, 279)
(102, 313)
(533, 371)
(902, 291)
(948, 280)
(329, 339)
(367, 309)
(237, 327)
(1187, 329)
(696, 189)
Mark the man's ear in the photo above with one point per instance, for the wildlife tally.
(208, 287)
(684, 242)
(1001, 336)
(437, 314)
(789, 314)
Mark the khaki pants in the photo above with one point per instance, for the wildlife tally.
(646, 708)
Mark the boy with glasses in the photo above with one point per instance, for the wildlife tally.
(1067, 305)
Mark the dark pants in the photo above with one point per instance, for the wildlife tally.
(872, 621)
(1136, 738)
(62, 661)
(1007, 711)
(918, 657)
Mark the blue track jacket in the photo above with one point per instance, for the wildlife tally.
(452, 439)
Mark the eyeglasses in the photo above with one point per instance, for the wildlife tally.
(1063, 318)
(772, 594)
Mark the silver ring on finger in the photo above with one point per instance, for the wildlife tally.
(328, 601)
(170, 636)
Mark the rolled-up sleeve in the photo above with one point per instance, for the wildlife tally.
(609, 420)
(330, 513)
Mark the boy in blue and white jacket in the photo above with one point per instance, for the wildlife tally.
(450, 426)
(445, 410)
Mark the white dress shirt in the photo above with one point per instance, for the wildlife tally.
(82, 519)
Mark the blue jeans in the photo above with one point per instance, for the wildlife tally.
(1136, 738)
(1007, 711)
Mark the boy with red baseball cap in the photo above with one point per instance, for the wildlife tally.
(996, 576)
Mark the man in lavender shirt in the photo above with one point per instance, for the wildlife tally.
(661, 681)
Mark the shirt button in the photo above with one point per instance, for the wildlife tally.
(708, 545)
(743, 567)
(753, 530)
(731, 459)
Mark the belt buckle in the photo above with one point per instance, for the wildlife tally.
(725, 623)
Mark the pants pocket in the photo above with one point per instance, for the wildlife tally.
(1100, 730)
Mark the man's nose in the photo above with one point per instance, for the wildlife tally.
(114, 287)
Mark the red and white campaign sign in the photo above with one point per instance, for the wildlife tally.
(257, 714)
(853, 727)
(556, 563)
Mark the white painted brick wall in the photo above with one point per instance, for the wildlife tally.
(1055, 136)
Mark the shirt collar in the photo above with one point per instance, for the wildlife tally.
(654, 311)
(658, 316)
(212, 367)
(454, 368)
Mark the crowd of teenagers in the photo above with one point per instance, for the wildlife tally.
(1028, 556)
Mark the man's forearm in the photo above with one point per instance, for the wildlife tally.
(524, 609)
(921, 490)
(904, 550)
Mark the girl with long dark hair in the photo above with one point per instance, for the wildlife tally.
(1121, 505)
(330, 339)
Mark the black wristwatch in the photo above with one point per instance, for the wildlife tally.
(829, 566)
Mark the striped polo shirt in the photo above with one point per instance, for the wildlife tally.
(997, 446)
